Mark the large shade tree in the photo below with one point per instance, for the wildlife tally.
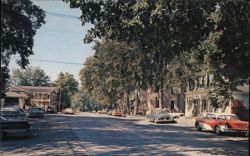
(112, 72)
(67, 86)
(31, 76)
(19, 21)
(208, 36)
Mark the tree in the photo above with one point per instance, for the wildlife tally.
(67, 87)
(31, 76)
(112, 73)
(19, 21)
(172, 30)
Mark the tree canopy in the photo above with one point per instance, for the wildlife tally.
(31, 76)
(19, 21)
(67, 87)
(180, 40)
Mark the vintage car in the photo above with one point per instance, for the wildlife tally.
(13, 113)
(35, 112)
(159, 116)
(102, 111)
(222, 123)
(51, 110)
(117, 113)
(69, 111)
(8, 126)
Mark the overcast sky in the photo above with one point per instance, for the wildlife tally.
(59, 40)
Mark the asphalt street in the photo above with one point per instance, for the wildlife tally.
(96, 134)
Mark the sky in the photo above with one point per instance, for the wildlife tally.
(59, 40)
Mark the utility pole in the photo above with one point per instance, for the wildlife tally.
(60, 94)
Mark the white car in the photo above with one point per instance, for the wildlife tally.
(69, 111)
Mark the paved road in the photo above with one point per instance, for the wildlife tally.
(94, 134)
(118, 136)
(50, 136)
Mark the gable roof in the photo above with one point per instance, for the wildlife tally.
(32, 89)
(15, 95)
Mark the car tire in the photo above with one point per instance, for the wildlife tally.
(198, 128)
(217, 130)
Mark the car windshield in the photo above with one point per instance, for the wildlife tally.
(231, 117)
(36, 110)
(160, 112)
(9, 114)
(2, 118)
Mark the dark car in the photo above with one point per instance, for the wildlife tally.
(8, 126)
(35, 112)
(12, 113)
(51, 110)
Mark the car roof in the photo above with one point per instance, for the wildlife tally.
(218, 114)
(8, 109)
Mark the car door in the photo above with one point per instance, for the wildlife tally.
(211, 120)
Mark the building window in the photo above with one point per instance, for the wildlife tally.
(172, 105)
(203, 105)
(156, 102)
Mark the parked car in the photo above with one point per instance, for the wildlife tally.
(69, 111)
(13, 113)
(117, 113)
(8, 126)
(176, 115)
(110, 112)
(51, 110)
(222, 123)
(35, 112)
(102, 111)
(159, 116)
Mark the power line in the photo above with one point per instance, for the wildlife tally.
(53, 61)
(61, 15)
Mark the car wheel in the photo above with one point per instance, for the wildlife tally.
(217, 130)
(198, 128)
(196, 124)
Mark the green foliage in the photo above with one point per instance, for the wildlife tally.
(179, 41)
(31, 76)
(67, 87)
(19, 22)
(113, 70)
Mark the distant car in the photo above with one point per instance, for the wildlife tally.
(102, 111)
(222, 123)
(117, 113)
(51, 110)
(8, 126)
(69, 111)
(109, 112)
(35, 112)
(13, 113)
(159, 116)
